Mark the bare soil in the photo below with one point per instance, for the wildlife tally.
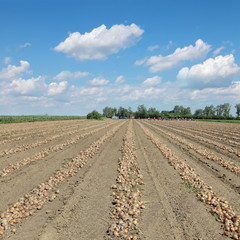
(83, 208)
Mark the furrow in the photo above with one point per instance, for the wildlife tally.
(47, 191)
(219, 206)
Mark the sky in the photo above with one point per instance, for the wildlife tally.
(72, 57)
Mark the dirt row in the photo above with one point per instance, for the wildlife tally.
(228, 187)
(33, 142)
(124, 181)
(222, 129)
(32, 201)
(12, 129)
(229, 178)
(219, 149)
(40, 133)
(226, 139)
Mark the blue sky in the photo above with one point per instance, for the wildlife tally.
(70, 57)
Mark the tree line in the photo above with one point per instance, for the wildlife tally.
(221, 111)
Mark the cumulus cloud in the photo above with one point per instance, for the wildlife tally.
(57, 88)
(90, 91)
(153, 81)
(152, 48)
(99, 81)
(7, 60)
(214, 72)
(32, 86)
(231, 92)
(160, 63)
(217, 51)
(67, 75)
(100, 42)
(13, 71)
(25, 45)
(139, 93)
(120, 79)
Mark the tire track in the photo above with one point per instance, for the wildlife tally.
(168, 211)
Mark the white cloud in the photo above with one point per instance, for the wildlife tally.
(231, 92)
(13, 71)
(140, 62)
(100, 42)
(101, 99)
(138, 93)
(217, 51)
(57, 88)
(153, 81)
(32, 86)
(7, 60)
(152, 48)
(25, 45)
(120, 79)
(99, 81)
(160, 63)
(152, 92)
(90, 91)
(211, 73)
(67, 75)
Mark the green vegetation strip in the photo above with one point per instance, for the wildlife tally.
(35, 118)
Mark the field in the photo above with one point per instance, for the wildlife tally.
(35, 118)
(120, 179)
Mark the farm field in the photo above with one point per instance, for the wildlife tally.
(120, 179)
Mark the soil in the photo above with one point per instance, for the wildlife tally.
(83, 208)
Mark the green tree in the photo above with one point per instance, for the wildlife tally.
(219, 110)
(109, 112)
(187, 111)
(153, 113)
(130, 112)
(122, 112)
(226, 109)
(177, 109)
(141, 112)
(237, 106)
(94, 115)
(198, 112)
(209, 111)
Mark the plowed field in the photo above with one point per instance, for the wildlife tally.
(120, 179)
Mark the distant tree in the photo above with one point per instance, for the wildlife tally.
(141, 112)
(177, 109)
(122, 111)
(237, 106)
(153, 113)
(187, 111)
(198, 112)
(165, 114)
(130, 112)
(209, 111)
(180, 111)
(109, 112)
(219, 110)
(226, 109)
(94, 115)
